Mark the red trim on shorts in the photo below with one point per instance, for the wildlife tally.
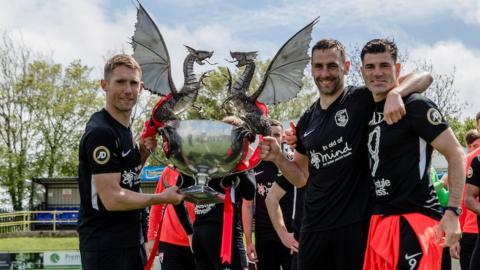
(383, 246)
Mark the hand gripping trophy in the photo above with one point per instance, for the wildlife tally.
(207, 149)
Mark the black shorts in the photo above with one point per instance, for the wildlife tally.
(175, 257)
(410, 249)
(475, 260)
(335, 249)
(206, 244)
(131, 258)
(272, 254)
(467, 244)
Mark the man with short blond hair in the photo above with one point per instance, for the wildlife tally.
(110, 162)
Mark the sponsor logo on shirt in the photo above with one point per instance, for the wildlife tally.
(412, 260)
(381, 186)
(373, 149)
(308, 133)
(130, 178)
(202, 209)
(263, 190)
(332, 152)
(341, 118)
(434, 116)
(101, 155)
(257, 173)
(124, 154)
(377, 118)
(470, 172)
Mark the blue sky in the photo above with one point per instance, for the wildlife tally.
(443, 32)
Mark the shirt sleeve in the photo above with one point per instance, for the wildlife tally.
(284, 184)
(362, 94)
(473, 175)
(300, 129)
(247, 185)
(102, 152)
(425, 118)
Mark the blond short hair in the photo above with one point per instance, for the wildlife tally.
(120, 60)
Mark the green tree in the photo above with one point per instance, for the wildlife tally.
(17, 134)
(62, 100)
(43, 110)
(461, 127)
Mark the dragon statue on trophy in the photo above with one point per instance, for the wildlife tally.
(150, 51)
(281, 82)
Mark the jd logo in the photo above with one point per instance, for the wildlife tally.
(54, 258)
(101, 155)
(434, 116)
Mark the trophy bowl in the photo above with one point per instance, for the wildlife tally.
(203, 149)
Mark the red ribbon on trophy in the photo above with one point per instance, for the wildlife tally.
(226, 250)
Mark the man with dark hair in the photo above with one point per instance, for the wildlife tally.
(331, 160)
(405, 228)
(110, 162)
(472, 192)
(267, 251)
(468, 220)
(470, 137)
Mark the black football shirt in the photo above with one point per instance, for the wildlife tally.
(213, 213)
(294, 197)
(266, 173)
(107, 147)
(400, 157)
(335, 141)
(473, 176)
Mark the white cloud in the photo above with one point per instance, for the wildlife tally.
(468, 10)
(449, 55)
(370, 13)
(69, 30)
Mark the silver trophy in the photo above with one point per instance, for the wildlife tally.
(204, 149)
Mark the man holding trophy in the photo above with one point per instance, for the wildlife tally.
(109, 224)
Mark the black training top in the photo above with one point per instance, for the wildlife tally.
(400, 156)
(107, 147)
(213, 213)
(473, 176)
(266, 173)
(335, 141)
(296, 196)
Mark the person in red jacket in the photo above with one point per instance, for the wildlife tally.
(468, 220)
(175, 238)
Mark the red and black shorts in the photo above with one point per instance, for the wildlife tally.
(403, 242)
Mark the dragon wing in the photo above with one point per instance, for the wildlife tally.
(151, 53)
(283, 79)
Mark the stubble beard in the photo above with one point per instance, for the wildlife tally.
(330, 91)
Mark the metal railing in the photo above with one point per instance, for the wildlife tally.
(24, 221)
